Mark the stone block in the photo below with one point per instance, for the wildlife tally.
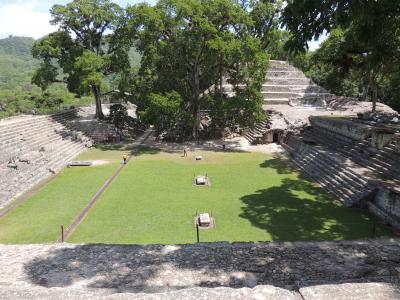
(204, 219)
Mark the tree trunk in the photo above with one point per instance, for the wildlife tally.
(97, 96)
(374, 96)
(365, 90)
(220, 79)
(196, 103)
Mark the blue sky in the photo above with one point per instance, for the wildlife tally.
(31, 17)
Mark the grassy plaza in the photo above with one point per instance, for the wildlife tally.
(252, 196)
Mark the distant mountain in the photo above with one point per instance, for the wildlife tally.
(16, 62)
(17, 66)
(16, 45)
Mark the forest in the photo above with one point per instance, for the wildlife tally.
(164, 58)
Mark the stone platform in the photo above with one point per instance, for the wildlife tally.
(302, 270)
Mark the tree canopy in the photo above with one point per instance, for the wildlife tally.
(369, 34)
(82, 53)
(192, 48)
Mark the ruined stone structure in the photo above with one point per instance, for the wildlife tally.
(357, 161)
(290, 98)
(36, 147)
(286, 85)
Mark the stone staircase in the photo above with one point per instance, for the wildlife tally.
(32, 149)
(356, 162)
(385, 161)
(285, 83)
(335, 173)
(257, 132)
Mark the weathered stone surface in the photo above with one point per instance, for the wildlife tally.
(357, 162)
(198, 293)
(247, 268)
(353, 291)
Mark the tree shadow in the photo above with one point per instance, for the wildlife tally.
(280, 163)
(231, 146)
(113, 147)
(287, 213)
(143, 150)
(158, 268)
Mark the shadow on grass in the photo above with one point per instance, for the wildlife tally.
(287, 213)
(279, 210)
(113, 147)
(231, 146)
(280, 163)
(143, 150)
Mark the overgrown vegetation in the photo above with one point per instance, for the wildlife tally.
(17, 94)
(361, 56)
(189, 49)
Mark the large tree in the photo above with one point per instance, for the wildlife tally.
(189, 46)
(83, 52)
(371, 39)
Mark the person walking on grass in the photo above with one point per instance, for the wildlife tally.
(185, 152)
(125, 158)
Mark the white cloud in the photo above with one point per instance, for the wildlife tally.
(23, 20)
(31, 17)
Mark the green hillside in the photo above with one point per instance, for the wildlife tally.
(18, 94)
(16, 63)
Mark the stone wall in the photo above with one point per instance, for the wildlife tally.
(371, 152)
(386, 205)
(379, 136)
(342, 126)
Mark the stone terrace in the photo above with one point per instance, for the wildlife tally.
(357, 163)
(285, 83)
(32, 148)
(300, 270)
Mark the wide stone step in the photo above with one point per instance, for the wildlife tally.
(292, 88)
(289, 81)
(331, 169)
(37, 144)
(31, 130)
(335, 186)
(32, 139)
(285, 74)
(324, 183)
(328, 166)
(28, 123)
(360, 152)
(52, 154)
(279, 95)
(39, 170)
(275, 101)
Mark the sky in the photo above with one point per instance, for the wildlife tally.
(31, 18)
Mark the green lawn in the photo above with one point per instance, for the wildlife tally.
(253, 197)
(39, 219)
